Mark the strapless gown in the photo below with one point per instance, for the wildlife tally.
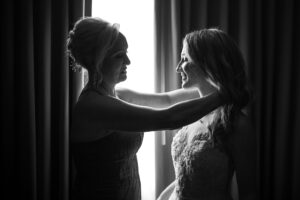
(203, 167)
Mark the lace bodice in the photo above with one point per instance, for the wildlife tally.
(203, 169)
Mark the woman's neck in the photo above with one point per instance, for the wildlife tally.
(204, 91)
(210, 117)
(109, 89)
(103, 88)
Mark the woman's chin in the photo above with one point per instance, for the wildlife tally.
(122, 78)
(185, 84)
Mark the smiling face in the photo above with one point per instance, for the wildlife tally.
(191, 74)
(115, 65)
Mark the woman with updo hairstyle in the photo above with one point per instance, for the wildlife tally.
(108, 124)
(88, 43)
(214, 157)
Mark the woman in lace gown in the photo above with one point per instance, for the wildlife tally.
(106, 131)
(207, 152)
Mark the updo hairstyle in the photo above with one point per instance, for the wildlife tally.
(88, 43)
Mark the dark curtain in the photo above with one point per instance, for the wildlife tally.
(36, 96)
(167, 48)
(267, 33)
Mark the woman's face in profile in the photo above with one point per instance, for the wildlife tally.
(191, 74)
(115, 65)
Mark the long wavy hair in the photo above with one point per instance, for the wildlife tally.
(222, 62)
(88, 43)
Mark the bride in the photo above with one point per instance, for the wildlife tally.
(207, 153)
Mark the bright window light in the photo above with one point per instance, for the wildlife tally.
(136, 19)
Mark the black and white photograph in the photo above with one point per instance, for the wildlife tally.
(150, 99)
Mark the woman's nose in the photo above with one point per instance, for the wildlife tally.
(127, 60)
(178, 68)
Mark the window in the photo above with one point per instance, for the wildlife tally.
(136, 19)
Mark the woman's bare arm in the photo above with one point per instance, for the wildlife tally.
(108, 113)
(156, 100)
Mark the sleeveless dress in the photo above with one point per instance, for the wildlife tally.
(203, 168)
(107, 168)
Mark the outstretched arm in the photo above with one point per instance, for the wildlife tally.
(156, 100)
(108, 113)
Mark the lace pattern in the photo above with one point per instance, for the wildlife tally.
(202, 167)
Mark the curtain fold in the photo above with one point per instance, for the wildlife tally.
(35, 101)
(267, 34)
(167, 47)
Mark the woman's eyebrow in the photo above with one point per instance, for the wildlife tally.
(118, 52)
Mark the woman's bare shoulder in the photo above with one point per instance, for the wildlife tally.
(83, 129)
(90, 100)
